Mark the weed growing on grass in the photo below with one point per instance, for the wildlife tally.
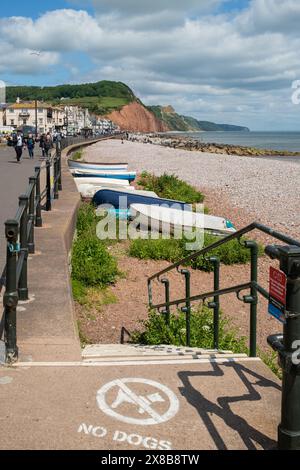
(92, 264)
(174, 250)
(156, 331)
(171, 187)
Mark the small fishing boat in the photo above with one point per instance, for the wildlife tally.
(97, 166)
(162, 217)
(112, 197)
(101, 182)
(120, 175)
(88, 191)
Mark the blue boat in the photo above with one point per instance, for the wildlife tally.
(119, 175)
(112, 197)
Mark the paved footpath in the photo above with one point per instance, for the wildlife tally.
(146, 405)
(13, 182)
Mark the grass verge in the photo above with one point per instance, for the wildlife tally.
(170, 187)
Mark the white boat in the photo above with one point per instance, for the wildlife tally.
(159, 218)
(78, 165)
(89, 190)
(102, 182)
(116, 174)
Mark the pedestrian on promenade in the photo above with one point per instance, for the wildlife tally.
(30, 146)
(48, 145)
(18, 144)
(42, 141)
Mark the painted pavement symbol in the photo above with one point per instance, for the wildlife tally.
(144, 405)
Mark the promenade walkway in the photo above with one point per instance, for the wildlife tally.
(13, 182)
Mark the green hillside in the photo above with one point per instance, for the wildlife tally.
(100, 98)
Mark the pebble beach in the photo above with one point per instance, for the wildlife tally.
(241, 188)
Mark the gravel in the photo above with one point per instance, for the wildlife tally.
(264, 188)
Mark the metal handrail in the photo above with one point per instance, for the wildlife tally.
(236, 235)
(253, 285)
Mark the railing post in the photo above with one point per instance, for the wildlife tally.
(58, 152)
(31, 215)
(55, 166)
(150, 296)
(38, 214)
(254, 300)
(10, 299)
(187, 309)
(287, 345)
(48, 184)
(23, 284)
(166, 283)
(215, 305)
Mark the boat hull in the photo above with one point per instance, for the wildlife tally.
(104, 174)
(161, 217)
(112, 197)
(89, 190)
(100, 182)
(95, 166)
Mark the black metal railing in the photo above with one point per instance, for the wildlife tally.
(20, 237)
(216, 293)
(44, 187)
(287, 345)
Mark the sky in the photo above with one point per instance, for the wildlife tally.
(227, 61)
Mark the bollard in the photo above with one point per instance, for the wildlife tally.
(10, 299)
(286, 346)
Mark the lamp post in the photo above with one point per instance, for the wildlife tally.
(36, 118)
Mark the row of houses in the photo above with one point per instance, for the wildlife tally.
(48, 118)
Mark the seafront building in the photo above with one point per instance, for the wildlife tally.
(70, 119)
(21, 114)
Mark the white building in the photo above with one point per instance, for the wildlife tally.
(77, 118)
(49, 117)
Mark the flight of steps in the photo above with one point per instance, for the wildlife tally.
(134, 353)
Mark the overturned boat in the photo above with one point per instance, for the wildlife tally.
(159, 217)
(113, 197)
(102, 182)
(97, 166)
(110, 174)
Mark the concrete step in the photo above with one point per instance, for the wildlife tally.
(137, 352)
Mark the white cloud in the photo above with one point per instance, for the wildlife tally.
(271, 16)
(219, 67)
(136, 7)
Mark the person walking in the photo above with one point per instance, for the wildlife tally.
(18, 144)
(42, 142)
(48, 145)
(30, 146)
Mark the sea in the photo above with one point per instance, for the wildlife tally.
(288, 141)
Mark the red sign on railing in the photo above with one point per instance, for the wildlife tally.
(278, 285)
